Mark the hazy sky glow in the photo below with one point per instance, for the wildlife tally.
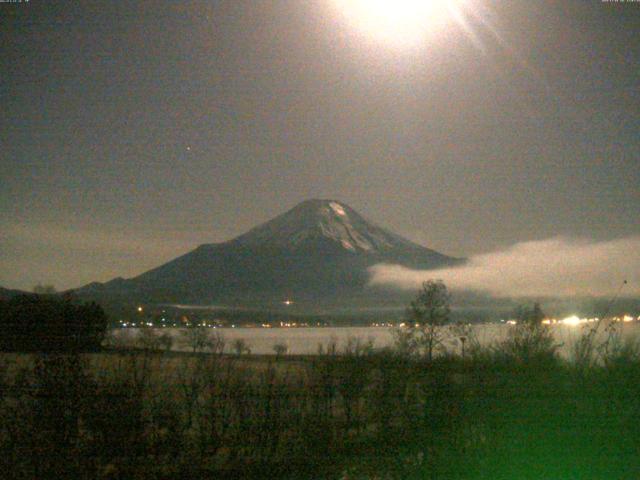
(403, 24)
(134, 131)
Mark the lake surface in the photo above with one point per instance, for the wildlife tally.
(306, 340)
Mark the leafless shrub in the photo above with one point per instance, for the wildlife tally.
(464, 335)
(357, 347)
(529, 342)
(280, 349)
(199, 339)
(240, 347)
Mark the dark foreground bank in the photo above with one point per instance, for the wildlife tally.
(511, 411)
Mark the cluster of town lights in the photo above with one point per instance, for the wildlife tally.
(575, 320)
(184, 321)
(204, 324)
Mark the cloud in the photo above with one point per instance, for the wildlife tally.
(553, 267)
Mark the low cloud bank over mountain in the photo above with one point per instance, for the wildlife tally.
(553, 267)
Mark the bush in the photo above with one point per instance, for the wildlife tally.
(529, 341)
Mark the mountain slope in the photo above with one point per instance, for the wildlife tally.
(318, 252)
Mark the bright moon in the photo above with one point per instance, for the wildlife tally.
(401, 22)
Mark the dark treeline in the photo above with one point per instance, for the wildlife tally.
(50, 323)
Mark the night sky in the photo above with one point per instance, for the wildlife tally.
(131, 132)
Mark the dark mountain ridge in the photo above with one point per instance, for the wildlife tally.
(317, 253)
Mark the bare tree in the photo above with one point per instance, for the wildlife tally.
(426, 316)
(198, 339)
(165, 341)
(240, 346)
(148, 339)
(280, 349)
(217, 343)
(404, 337)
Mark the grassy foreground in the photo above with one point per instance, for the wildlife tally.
(514, 411)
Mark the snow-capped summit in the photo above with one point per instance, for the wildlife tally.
(320, 251)
(329, 219)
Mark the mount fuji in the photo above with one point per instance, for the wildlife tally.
(317, 253)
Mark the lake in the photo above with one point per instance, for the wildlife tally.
(305, 341)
